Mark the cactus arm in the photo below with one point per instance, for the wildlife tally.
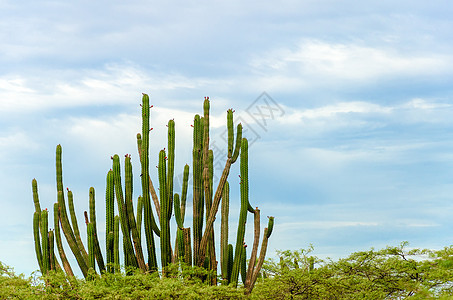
(34, 185)
(75, 226)
(197, 188)
(187, 246)
(97, 247)
(45, 241)
(36, 228)
(170, 165)
(52, 260)
(185, 184)
(242, 213)
(230, 262)
(110, 219)
(244, 264)
(70, 238)
(164, 212)
(177, 205)
(77, 249)
(149, 221)
(116, 244)
(259, 264)
(91, 251)
(152, 190)
(180, 251)
(215, 204)
(224, 232)
(230, 127)
(139, 217)
(122, 211)
(63, 257)
(254, 253)
(238, 143)
(130, 214)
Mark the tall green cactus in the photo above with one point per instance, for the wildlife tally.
(75, 225)
(45, 241)
(91, 250)
(67, 229)
(116, 244)
(145, 179)
(109, 217)
(37, 239)
(197, 187)
(97, 247)
(164, 212)
(206, 202)
(64, 259)
(242, 213)
(130, 214)
(123, 213)
(224, 233)
(232, 156)
(139, 216)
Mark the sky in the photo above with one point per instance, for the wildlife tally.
(348, 108)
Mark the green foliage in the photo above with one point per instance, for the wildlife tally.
(186, 285)
(390, 273)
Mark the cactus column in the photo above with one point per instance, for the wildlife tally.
(145, 179)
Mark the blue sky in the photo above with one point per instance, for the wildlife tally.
(357, 153)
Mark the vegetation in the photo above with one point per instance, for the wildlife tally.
(390, 273)
(199, 252)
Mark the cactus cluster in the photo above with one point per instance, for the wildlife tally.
(198, 250)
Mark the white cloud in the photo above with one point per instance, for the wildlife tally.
(115, 84)
(317, 61)
(358, 113)
(323, 224)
